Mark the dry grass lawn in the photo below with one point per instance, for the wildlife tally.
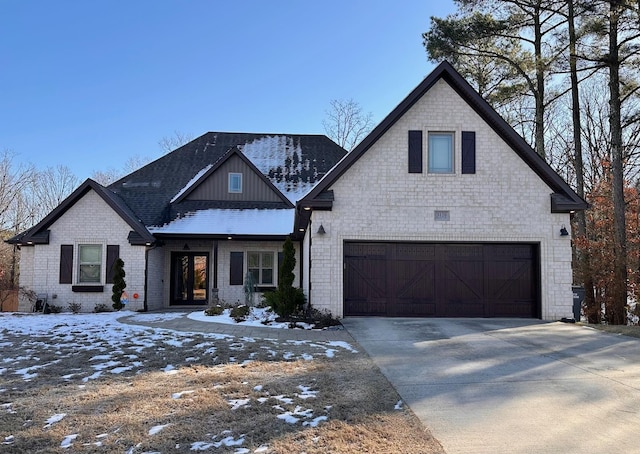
(633, 331)
(235, 400)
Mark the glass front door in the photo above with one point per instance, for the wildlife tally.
(189, 278)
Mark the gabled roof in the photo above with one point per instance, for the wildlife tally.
(570, 201)
(211, 169)
(292, 165)
(39, 234)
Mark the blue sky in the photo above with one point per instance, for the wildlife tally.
(88, 84)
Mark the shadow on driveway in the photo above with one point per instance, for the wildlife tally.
(511, 385)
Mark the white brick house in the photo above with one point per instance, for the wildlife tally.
(191, 227)
(443, 210)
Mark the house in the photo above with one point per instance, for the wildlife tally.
(189, 226)
(442, 210)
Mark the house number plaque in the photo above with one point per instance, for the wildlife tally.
(440, 215)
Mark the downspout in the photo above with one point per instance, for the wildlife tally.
(310, 232)
(215, 264)
(147, 249)
(145, 306)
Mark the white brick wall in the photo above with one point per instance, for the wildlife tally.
(89, 221)
(159, 288)
(504, 201)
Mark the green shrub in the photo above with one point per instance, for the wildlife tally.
(240, 313)
(285, 302)
(54, 309)
(214, 310)
(286, 299)
(75, 307)
(101, 308)
(119, 284)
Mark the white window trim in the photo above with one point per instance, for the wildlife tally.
(454, 142)
(231, 189)
(274, 269)
(76, 265)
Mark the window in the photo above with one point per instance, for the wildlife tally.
(261, 267)
(235, 182)
(441, 152)
(89, 263)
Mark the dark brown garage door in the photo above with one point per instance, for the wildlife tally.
(440, 280)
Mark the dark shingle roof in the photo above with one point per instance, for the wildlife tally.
(39, 234)
(293, 163)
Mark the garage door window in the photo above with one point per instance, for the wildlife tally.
(440, 152)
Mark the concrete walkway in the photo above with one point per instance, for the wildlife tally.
(511, 386)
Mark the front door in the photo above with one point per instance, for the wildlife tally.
(189, 278)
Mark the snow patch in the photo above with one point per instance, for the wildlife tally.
(54, 419)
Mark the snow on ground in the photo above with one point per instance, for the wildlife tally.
(63, 334)
(260, 317)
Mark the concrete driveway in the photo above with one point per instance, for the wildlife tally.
(511, 386)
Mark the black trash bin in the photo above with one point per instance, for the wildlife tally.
(578, 298)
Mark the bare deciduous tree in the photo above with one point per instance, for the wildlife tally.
(107, 176)
(14, 180)
(170, 143)
(346, 123)
(50, 187)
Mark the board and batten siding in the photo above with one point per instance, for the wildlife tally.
(216, 187)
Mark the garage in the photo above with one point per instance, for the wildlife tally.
(441, 279)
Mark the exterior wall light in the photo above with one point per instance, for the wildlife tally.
(321, 230)
(563, 231)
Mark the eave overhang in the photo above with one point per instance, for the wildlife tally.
(39, 234)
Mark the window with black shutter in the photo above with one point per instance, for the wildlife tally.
(66, 263)
(236, 268)
(468, 152)
(113, 252)
(415, 151)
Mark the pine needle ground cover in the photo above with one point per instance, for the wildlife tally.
(87, 383)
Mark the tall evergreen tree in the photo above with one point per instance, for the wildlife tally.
(119, 284)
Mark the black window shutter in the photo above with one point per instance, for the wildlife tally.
(236, 266)
(113, 252)
(66, 263)
(415, 151)
(468, 152)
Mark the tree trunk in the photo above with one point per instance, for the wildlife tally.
(539, 93)
(616, 312)
(582, 256)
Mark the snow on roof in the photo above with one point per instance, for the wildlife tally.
(280, 158)
(191, 182)
(231, 222)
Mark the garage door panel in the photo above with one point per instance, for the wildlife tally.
(414, 279)
(517, 309)
(459, 308)
(409, 307)
(510, 280)
(441, 280)
(463, 280)
(365, 286)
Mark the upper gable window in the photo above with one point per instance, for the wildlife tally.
(235, 182)
(440, 152)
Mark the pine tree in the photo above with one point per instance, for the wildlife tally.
(119, 284)
(287, 299)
